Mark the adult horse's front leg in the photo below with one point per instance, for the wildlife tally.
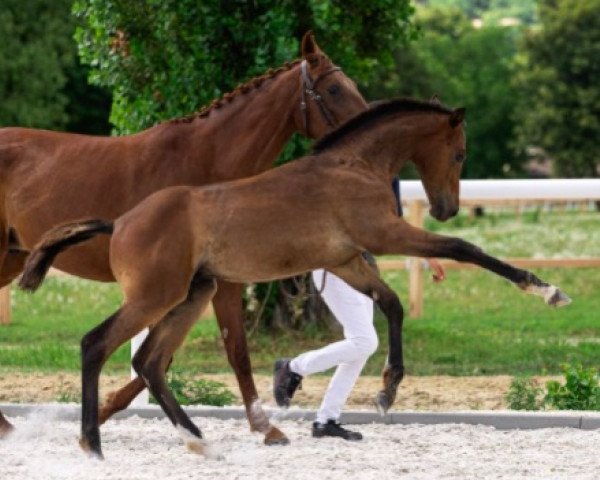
(362, 277)
(228, 308)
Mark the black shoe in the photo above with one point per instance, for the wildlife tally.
(285, 382)
(334, 429)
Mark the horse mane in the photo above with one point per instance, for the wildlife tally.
(241, 89)
(377, 110)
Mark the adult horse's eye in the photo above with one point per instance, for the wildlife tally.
(460, 157)
(333, 89)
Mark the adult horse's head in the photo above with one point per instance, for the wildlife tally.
(439, 161)
(327, 96)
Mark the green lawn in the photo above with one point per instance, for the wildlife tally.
(474, 323)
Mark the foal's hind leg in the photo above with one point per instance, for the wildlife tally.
(361, 276)
(97, 345)
(228, 308)
(155, 354)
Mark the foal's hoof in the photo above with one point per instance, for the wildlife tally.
(383, 402)
(276, 437)
(557, 298)
(89, 450)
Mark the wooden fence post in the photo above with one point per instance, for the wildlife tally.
(5, 305)
(416, 218)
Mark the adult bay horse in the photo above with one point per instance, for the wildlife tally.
(322, 211)
(49, 178)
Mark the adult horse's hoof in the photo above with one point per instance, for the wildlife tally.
(275, 437)
(383, 402)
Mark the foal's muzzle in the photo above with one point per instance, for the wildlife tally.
(443, 210)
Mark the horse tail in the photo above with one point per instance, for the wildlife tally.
(55, 241)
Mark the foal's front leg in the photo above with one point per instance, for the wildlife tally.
(361, 276)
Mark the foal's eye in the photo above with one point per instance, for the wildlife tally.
(333, 89)
(460, 157)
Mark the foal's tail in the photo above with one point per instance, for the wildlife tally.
(52, 243)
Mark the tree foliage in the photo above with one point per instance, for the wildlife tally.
(42, 84)
(558, 83)
(166, 58)
(36, 49)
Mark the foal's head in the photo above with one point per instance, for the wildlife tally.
(328, 97)
(439, 160)
(390, 133)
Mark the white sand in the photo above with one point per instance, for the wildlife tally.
(44, 448)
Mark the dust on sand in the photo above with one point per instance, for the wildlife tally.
(43, 448)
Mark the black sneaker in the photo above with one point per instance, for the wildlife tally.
(285, 382)
(334, 429)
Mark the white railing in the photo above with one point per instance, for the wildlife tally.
(485, 190)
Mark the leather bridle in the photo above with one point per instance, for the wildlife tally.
(308, 87)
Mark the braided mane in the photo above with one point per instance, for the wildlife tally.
(241, 89)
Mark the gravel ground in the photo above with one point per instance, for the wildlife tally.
(45, 448)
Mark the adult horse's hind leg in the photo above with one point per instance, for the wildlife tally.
(155, 354)
(120, 399)
(361, 276)
(228, 308)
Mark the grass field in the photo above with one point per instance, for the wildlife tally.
(474, 323)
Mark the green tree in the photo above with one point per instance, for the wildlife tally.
(42, 84)
(36, 49)
(165, 59)
(558, 83)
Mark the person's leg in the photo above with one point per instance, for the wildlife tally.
(354, 311)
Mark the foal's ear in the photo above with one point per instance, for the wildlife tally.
(457, 117)
(309, 45)
(435, 99)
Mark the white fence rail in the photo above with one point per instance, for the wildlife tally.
(494, 190)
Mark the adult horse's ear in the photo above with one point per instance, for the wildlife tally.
(309, 45)
(457, 117)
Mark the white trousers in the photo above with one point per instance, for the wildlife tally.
(354, 311)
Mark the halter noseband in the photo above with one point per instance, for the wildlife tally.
(308, 86)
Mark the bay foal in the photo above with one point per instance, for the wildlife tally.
(49, 178)
(322, 211)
